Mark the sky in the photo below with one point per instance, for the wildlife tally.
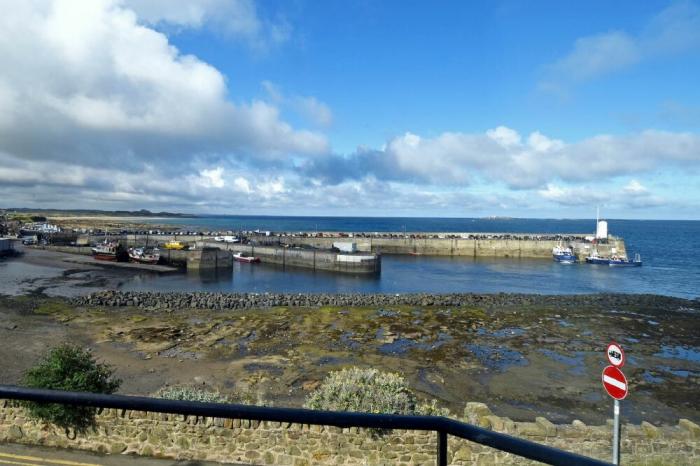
(364, 108)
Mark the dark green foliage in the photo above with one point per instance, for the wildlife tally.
(69, 367)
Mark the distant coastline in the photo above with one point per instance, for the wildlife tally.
(100, 214)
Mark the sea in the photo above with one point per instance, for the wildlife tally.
(666, 248)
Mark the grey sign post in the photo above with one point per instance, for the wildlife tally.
(615, 383)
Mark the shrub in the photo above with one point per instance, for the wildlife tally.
(363, 390)
(69, 367)
(190, 394)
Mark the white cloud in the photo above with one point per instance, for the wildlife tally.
(674, 30)
(236, 18)
(635, 187)
(506, 137)
(573, 196)
(86, 81)
(499, 155)
(212, 178)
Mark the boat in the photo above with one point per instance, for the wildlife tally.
(623, 261)
(563, 255)
(594, 258)
(107, 251)
(144, 255)
(177, 245)
(241, 257)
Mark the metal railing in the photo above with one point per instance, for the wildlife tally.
(441, 425)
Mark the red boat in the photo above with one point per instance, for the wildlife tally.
(107, 251)
(241, 257)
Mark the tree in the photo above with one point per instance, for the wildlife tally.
(69, 367)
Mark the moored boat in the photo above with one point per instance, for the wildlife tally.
(107, 251)
(144, 255)
(241, 257)
(625, 262)
(563, 255)
(176, 245)
(594, 258)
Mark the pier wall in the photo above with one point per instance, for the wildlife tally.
(208, 259)
(495, 247)
(240, 440)
(500, 245)
(307, 258)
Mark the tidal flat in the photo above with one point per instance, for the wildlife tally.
(535, 358)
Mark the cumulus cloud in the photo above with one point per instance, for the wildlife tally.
(676, 29)
(501, 155)
(87, 81)
(236, 18)
(632, 195)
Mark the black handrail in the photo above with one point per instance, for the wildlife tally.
(441, 425)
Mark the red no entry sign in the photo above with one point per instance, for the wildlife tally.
(614, 382)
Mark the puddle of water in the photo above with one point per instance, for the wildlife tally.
(650, 378)
(502, 333)
(678, 372)
(386, 313)
(331, 361)
(346, 339)
(403, 345)
(179, 354)
(631, 340)
(258, 367)
(497, 358)
(576, 363)
(679, 352)
(652, 322)
(244, 342)
(592, 397)
(565, 323)
(398, 346)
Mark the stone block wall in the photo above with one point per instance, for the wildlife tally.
(252, 442)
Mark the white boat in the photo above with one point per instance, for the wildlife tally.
(241, 257)
(144, 255)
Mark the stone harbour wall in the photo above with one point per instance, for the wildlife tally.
(252, 442)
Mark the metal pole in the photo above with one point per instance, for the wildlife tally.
(616, 433)
(441, 448)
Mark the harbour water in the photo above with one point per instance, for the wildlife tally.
(666, 248)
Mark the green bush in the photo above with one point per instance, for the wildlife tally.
(366, 390)
(190, 394)
(69, 367)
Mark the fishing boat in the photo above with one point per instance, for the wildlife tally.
(106, 251)
(623, 261)
(176, 245)
(241, 257)
(563, 255)
(144, 255)
(594, 258)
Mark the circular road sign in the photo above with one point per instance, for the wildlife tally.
(615, 383)
(615, 354)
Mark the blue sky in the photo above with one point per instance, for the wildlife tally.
(529, 109)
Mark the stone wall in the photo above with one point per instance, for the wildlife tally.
(205, 300)
(226, 440)
(305, 258)
(451, 244)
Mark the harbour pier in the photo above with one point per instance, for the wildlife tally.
(500, 245)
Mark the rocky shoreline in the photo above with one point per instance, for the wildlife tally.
(220, 301)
